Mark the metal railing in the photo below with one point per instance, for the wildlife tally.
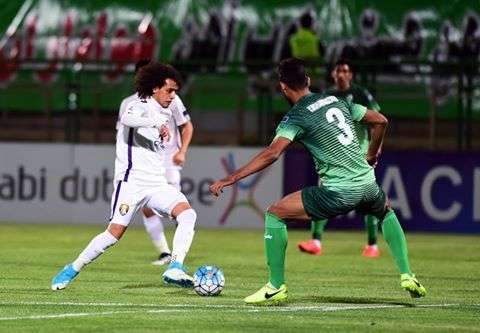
(238, 103)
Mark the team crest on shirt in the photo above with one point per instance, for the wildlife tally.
(123, 209)
(285, 119)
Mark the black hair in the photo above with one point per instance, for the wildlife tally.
(291, 71)
(343, 61)
(306, 20)
(154, 75)
(139, 64)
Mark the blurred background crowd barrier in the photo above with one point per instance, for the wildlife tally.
(65, 66)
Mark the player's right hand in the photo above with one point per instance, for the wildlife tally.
(217, 187)
(164, 132)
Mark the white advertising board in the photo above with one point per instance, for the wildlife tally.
(62, 183)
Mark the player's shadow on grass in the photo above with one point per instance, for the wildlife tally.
(168, 289)
(353, 300)
(142, 286)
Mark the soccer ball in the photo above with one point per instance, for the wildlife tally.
(208, 281)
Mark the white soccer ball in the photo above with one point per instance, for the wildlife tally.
(208, 281)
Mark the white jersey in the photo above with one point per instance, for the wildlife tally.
(179, 116)
(140, 152)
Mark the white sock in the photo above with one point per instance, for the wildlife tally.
(94, 249)
(183, 235)
(154, 227)
(317, 242)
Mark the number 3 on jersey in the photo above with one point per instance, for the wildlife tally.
(346, 137)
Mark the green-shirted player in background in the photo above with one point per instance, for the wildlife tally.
(344, 88)
(325, 126)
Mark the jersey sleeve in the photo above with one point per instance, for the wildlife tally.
(179, 112)
(137, 116)
(121, 111)
(357, 111)
(289, 129)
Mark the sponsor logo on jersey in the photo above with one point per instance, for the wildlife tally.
(321, 102)
(158, 145)
(123, 209)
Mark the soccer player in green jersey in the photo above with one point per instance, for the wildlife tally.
(324, 125)
(346, 89)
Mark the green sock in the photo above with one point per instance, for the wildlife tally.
(276, 239)
(317, 228)
(395, 238)
(371, 224)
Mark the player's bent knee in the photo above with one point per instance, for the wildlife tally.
(276, 210)
(147, 212)
(180, 208)
(116, 230)
(386, 209)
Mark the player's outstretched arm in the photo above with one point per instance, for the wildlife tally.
(378, 126)
(257, 163)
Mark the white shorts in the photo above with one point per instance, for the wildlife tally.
(129, 197)
(173, 177)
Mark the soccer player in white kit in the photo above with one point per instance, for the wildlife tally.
(140, 176)
(181, 131)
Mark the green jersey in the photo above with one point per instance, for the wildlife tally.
(359, 95)
(324, 125)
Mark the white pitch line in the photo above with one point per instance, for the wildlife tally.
(86, 314)
(168, 308)
(65, 315)
(146, 305)
(363, 307)
(324, 307)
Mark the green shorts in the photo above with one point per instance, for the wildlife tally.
(324, 203)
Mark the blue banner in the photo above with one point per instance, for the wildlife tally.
(430, 191)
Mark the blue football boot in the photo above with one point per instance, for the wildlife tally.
(62, 279)
(175, 274)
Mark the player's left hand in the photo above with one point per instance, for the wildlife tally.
(217, 187)
(179, 158)
(372, 160)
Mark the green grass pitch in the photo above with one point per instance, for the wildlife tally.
(337, 292)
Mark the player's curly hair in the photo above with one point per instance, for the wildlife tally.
(154, 75)
(291, 71)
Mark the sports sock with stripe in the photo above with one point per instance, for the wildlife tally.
(94, 249)
(183, 237)
(276, 239)
(154, 227)
(371, 224)
(395, 238)
(317, 228)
